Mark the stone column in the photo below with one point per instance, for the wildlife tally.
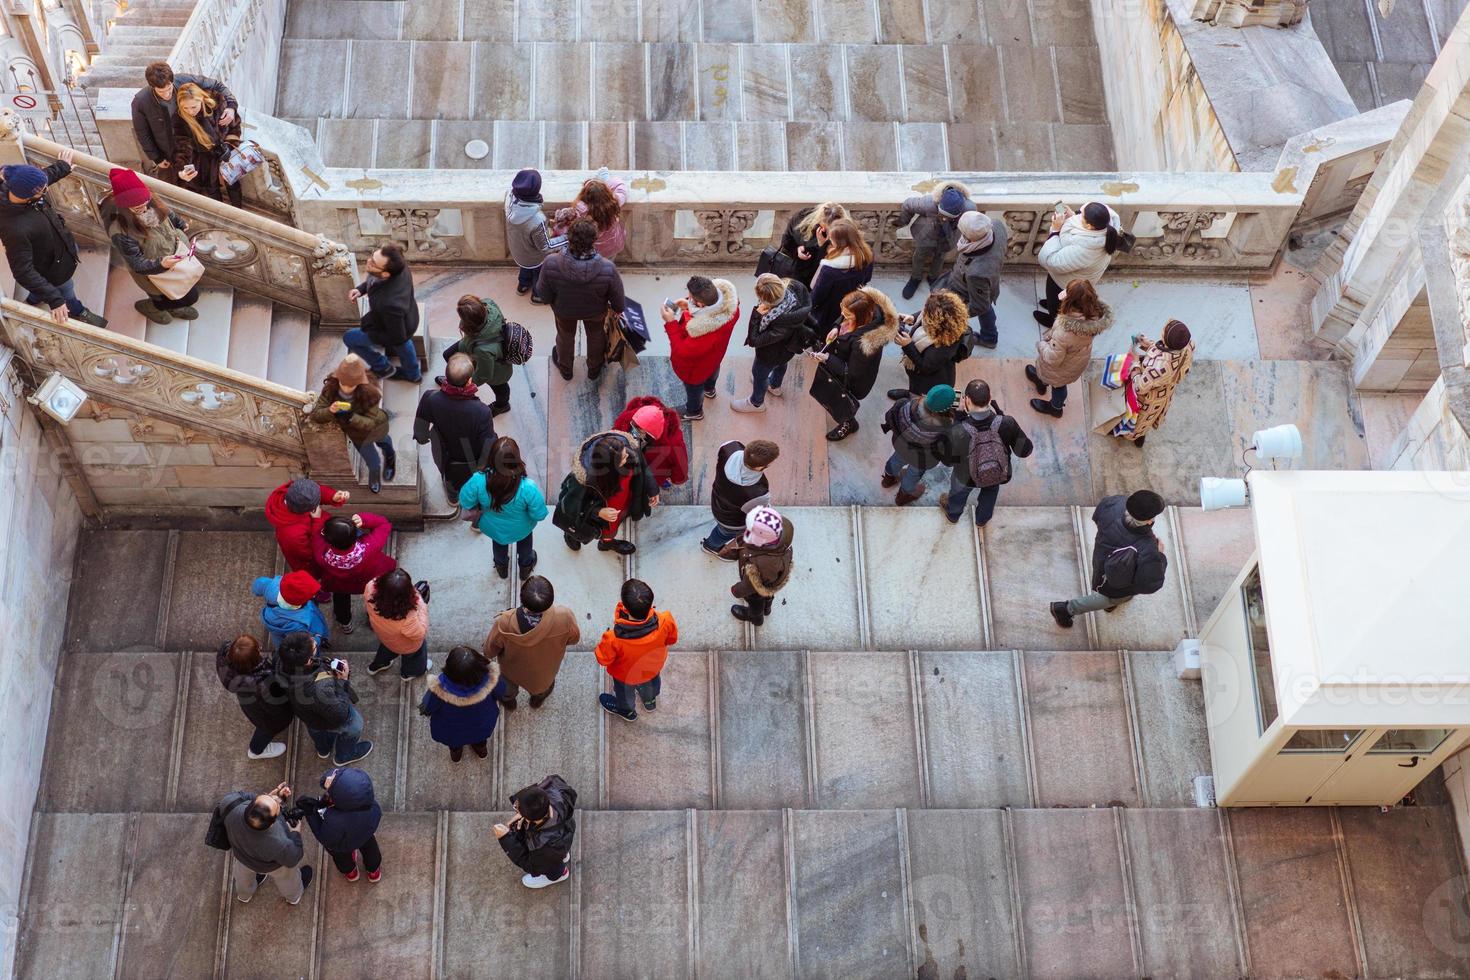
(114, 114)
(1250, 13)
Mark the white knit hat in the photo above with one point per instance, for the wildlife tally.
(762, 527)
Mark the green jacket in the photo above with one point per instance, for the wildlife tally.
(365, 423)
(488, 347)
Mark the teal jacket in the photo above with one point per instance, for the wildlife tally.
(515, 520)
(487, 347)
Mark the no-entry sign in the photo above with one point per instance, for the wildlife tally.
(26, 104)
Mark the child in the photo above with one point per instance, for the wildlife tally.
(288, 606)
(345, 819)
(634, 651)
(764, 553)
(526, 233)
(350, 554)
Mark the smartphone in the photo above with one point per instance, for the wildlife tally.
(671, 305)
(1060, 209)
(337, 664)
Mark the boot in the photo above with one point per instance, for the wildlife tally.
(617, 544)
(457, 753)
(480, 749)
(911, 287)
(744, 614)
(944, 508)
(151, 312)
(904, 499)
(572, 542)
(1060, 614)
(1035, 379)
(843, 430)
(87, 316)
(186, 313)
(1046, 408)
(1138, 443)
(390, 465)
(898, 394)
(565, 372)
(537, 700)
(526, 570)
(499, 408)
(888, 482)
(509, 705)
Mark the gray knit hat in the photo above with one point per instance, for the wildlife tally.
(303, 496)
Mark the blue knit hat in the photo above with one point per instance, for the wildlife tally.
(527, 184)
(941, 398)
(24, 180)
(952, 202)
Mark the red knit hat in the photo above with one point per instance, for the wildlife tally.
(298, 588)
(127, 188)
(650, 418)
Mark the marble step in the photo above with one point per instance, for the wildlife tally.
(103, 76)
(126, 30)
(250, 335)
(290, 341)
(122, 293)
(209, 336)
(156, 16)
(130, 60)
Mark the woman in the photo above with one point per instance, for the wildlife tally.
(345, 820)
(399, 615)
(201, 144)
(482, 337)
(461, 702)
(510, 505)
(778, 332)
(610, 481)
(601, 199)
(1081, 246)
(1065, 349)
(1157, 370)
(805, 238)
(848, 265)
(354, 405)
(847, 366)
(251, 677)
(151, 239)
(931, 342)
(350, 553)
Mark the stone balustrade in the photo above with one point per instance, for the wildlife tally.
(222, 36)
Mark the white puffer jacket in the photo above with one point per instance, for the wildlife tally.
(1077, 252)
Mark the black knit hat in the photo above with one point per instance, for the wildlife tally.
(1144, 505)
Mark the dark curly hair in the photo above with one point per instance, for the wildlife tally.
(394, 596)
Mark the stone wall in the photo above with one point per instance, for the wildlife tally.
(39, 518)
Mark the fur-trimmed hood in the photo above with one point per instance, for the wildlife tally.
(462, 697)
(708, 319)
(876, 335)
(579, 462)
(1087, 328)
(939, 190)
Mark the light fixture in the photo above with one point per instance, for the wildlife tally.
(1216, 493)
(1280, 442)
(59, 398)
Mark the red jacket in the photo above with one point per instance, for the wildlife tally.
(698, 339)
(295, 531)
(667, 456)
(634, 651)
(350, 571)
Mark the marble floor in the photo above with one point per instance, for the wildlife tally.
(1383, 58)
(872, 85)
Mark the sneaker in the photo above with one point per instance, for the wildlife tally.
(709, 395)
(911, 287)
(324, 755)
(345, 628)
(87, 316)
(744, 405)
(353, 874)
(364, 749)
(650, 705)
(537, 300)
(903, 499)
(688, 417)
(375, 876)
(374, 668)
(776, 392)
(1060, 614)
(541, 881)
(618, 545)
(186, 313)
(271, 751)
(705, 546)
(306, 874)
(610, 705)
(888, 482)
(522, 290)
(390, 467)
(385, 375)
(499, 408)
(245, 899)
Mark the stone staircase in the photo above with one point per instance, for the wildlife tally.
(143, 33)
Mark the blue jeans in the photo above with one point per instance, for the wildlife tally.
(910, 477)
(341, 742)
(694, 394)
(764, 377)
(527, 278)
(1058, 396)
(357, 341)
(525, 554)
(369, 453)
(68, 292)
(409, 665)
(988, 331)
(719, 537)
(647, 691)
(959, 494)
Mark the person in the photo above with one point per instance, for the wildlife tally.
(919, 426)
(202, 141)
(252, 677)
(601, 200)
(156, 104)
(289, 607)
(931, 342)
(350, 552)
(806, 236)
(538, 839)
(932, 221)
(580, 285)
(609, 482)
(975, 275)
(1157, 369)
(392, 317)
(510, 505)
(740, 487)
(527, 234)
(1127, 559)
(1065, 349)
(778, 332)
(294, 510)
(41, 252)
(150, 238)
(657, 429)
(1080, 246)
(482, 338)
(323, 698)
(263, 845)
(634, 651)
(459, 425)
(847, 365)
(765, 557)
(355, 405)
(344, 820)
(530, 641)
(699, 327)
(398, 612)
(848, 265)
(461, 703)
(982, 417)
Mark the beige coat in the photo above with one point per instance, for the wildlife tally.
(1065, 349)
(531, 660)
(1153, 380)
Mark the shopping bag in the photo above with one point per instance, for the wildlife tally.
(241, 159)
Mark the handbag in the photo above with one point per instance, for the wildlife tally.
(833, 395)
(240, 160)
(618, 348)
(175, 283)
(775, 262)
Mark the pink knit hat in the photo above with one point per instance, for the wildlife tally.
(650, 418)
(762, 527)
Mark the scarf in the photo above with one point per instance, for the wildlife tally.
(467, 391)
(527, 620)
(979, 245)
(782, 307)
(920, 337)
(841, 262)
(149, 218)
(737, 472)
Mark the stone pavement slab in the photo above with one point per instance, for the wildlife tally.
(960, 884)
(379, 701)
(762, 729)
(171, 919)
(1150, 622)
(687, 581)
(1030, 561)
(562, 736)
(216, 735)
(1315, 396)
(819, 609)
(587, 581)
(375, 77)
(435, 782)
(865, 747)
(431, 22)
(1217, 545)
(118, 612)
(1170, 713)
(635, 894)
(77, 864)
(462, 605)
(974, 740)
(211, 601)
(663, 760)
(742, 924)
(313, 77)
(1080, 734)
(1219, 316)
(938, 606)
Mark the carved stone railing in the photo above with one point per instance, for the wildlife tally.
(236, 41)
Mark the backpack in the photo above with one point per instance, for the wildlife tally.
(216, 836)
(515, 343)
(989, 457)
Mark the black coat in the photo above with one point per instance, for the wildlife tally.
(851, 363)
(205, 159)
(320, 699)
(786, 334)
(462, 431)
(262, 693)
(931, 367)
(1126, 561)
(393, 314)
(543, 850)
(791, 240)
(41, 251)
(581, 287)
(829, 289)
(728, 500)
(153, 121)
(348, 816)
(955, 452)
(578, 502)
(919, 438)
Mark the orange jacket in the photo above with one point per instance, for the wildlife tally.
(634, 651)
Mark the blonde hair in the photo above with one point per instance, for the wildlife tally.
(823, 214)
(769, 288)
(206, 108)
(847, 239)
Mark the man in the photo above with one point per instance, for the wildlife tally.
(976, 272)
(41, 251)
(263, 845)
(979, 448)
(699, 328)
(459, 424)
(765, 556)
(740, 487)
(324, 701)
(918, 426)
(156, 104)
(530, 642)
(538, 839)
(392, 317)
(294, 509)
(1126, 557)
(580, 285)
(931, 219)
